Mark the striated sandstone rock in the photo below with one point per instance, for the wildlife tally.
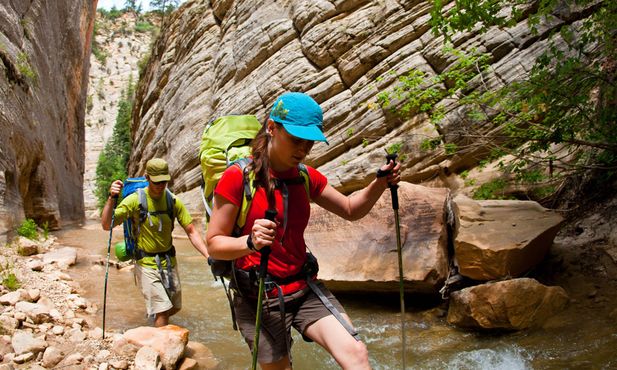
(498, 239)
(362, 255)
(511, 304)
(232, 57)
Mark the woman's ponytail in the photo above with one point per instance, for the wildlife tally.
(261, 161)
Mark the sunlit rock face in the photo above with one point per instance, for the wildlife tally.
(223, 57)
(44, 53)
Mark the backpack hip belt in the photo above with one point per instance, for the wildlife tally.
(168, 283)
(244, 282)
(140, 253)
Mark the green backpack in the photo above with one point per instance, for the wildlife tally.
(225, 140)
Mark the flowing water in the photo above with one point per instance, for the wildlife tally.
(582, 337)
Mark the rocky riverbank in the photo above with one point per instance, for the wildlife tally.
(45, 322)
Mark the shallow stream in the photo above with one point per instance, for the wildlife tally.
(584, 336)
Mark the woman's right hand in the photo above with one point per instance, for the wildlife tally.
(263, 233)
(115, 188)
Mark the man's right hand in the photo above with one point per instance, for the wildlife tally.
(115, 188)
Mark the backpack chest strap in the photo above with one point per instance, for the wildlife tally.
(145, 213)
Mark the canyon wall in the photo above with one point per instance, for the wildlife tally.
(237, 56)
(44, 54)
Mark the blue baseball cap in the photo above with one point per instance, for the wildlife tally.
(300, 115)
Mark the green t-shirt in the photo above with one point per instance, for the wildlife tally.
(150, 239)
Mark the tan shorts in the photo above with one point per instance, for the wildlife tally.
(301, 310)
(157, 298)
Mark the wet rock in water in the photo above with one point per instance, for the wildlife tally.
(188, 364)
(511, 304)
(202, 354)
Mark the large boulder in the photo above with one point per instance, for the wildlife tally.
(510, 304)
(168, 341)
(497, 239)
(361, 256)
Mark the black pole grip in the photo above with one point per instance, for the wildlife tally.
(393, 188)
(270, 214)
(265, 252)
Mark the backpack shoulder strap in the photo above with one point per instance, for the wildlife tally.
(171, 206)
(303, 171)
(248, 191)
(143, 204)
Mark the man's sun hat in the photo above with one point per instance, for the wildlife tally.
(300, 115)
(157, 170)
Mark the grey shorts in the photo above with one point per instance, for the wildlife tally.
(301, 310)
(158, 299)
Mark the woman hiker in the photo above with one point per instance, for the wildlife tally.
(284, 141)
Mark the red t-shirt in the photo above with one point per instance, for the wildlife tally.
(285, 259)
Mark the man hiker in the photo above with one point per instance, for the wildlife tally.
(156, 266)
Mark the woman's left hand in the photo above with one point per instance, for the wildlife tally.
(390, 172)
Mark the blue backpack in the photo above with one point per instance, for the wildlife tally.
(131, 231)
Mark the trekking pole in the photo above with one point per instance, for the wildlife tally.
(263, 269)
(394, 193)
(111, 228)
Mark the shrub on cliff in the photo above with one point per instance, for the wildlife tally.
(556, 123)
